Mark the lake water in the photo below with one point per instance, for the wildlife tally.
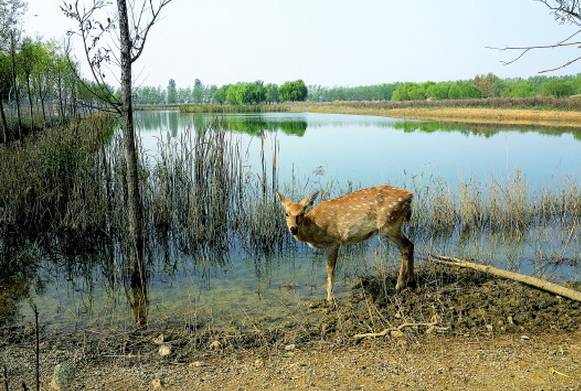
(325, 149)
(369, 150)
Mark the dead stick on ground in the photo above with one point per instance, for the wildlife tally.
(36, 347)
(385, 332)
(528, 280)
(6, 381)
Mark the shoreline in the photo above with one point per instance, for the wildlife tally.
(488, 325)
(466, 115)
(557, 113)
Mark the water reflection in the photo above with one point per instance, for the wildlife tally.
(367, 150)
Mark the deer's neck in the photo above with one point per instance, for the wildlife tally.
(311, 233)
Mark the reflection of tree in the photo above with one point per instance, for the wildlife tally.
(18, 268)
(484, 130)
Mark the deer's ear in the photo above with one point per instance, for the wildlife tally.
(283, 200)
(308, 200)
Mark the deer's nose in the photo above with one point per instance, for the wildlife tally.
(294, 230)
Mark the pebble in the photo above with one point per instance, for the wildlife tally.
(62, 377)
(164, 350)
(396, 334)
(157, 384)
(216, 345)
(524, 337)
(197, 364)
(159, 339)
(290, 347)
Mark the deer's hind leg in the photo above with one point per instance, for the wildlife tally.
(406, 278)
(332, 254)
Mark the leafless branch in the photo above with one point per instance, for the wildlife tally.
(141, 34)
(564, 11)
(526, 49)
(561, 66)
(105, 97)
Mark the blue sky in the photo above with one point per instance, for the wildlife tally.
(335, 42)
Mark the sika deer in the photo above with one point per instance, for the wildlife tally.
(351, 219)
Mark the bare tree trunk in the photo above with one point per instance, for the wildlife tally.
(136, 240)
(16, 93)
(28, 90)
(4, 123)
(61, 107)
(41, 96)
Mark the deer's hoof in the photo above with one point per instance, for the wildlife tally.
(331, 302)
(402, 285)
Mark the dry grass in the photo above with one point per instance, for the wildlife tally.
(478, 115)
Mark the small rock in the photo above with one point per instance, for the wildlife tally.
(396, 334)
(62, 377)
(489, 327)
(290, 347)
(159, 339)
(509, 320)
(157, 384)
(500, 322)
(197, 364)
(524, 337)
(164, 350)
(216, 345)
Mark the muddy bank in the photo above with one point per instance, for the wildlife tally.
(469, 306)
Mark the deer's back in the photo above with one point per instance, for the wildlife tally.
(358, 215)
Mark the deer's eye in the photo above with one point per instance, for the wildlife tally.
(286, 214)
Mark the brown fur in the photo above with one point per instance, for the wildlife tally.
(353, 218)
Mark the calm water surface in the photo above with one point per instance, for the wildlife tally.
(325, 149)
(369, 150)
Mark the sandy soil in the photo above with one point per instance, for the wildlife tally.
(491, 335)
(543, 362)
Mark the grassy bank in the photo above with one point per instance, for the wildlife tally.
(537, 111)
(564, 112)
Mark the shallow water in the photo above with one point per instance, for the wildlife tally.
(325, 150)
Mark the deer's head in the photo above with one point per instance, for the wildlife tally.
(295, 211)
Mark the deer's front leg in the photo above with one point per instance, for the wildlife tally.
(332, 254)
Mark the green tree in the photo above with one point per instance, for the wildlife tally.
(557, 88)
(293, 91)
(198, 92)
(172, 94)
(438, 91)
(487, 85)
(271, 93)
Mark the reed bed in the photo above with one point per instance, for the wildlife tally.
(200, 196)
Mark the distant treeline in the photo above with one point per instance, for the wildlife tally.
(482, 86)
(251, 93)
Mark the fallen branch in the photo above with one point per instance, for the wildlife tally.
(527, 280)
(402, 326)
